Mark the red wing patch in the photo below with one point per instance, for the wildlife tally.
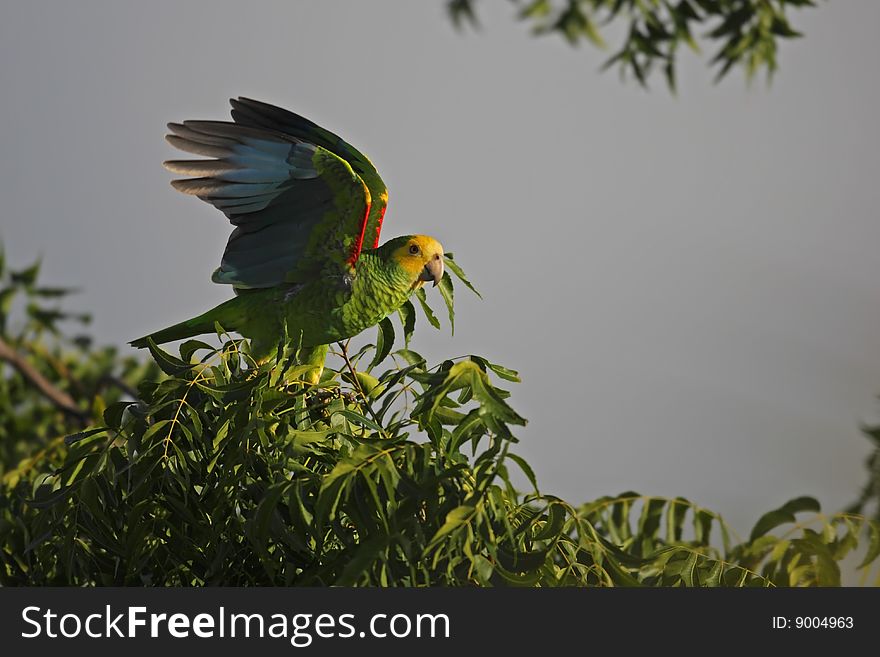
(356, 250)
(379, 225)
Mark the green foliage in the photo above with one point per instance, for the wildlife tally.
(388, 472)
(869, 500)
(744, 33)
(78, 380)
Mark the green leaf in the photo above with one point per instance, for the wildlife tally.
(783, 515)
(675, 514)
(407, 315)
(535, 9)
(6, 296)
(556, 515)
(189, 347)
(461, 12)
(688, 569)
(332, 488)
(702, 526)
(53, 292)
(873, 545)
(155, 428)
(166, 362)
(619, 575)
(489, 398)
(265, 510)
(525, 467)
(712, 578)
(357, 564)
(371, 386)
(423, 302)
(301, 439)
(455, 519)
(651, 517)
(518, 579)
(411, 357)
(781, 27)
(453, 266)
(232, 392)
(521, 561)
(448, 294)
(384, 342)
(26, 277)
(357, 418)
(504, 372)
(114, 412)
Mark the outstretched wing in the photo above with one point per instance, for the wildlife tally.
(256, 114)
(297, 207)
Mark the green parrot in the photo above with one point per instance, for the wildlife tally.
(307, 209)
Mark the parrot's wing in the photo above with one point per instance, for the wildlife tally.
(262, 115)
(299, 210)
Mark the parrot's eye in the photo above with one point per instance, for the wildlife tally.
(414, 249)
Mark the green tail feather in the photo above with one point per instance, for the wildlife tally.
(226, 314)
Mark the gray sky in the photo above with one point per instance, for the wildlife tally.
(689, 286)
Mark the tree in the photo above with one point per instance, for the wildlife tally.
(387, 472)
(869, 499)
(51, 384)
(744, 33)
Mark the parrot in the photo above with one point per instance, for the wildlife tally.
(304, 254)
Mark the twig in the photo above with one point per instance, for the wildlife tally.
(344, 349)
(58, 397)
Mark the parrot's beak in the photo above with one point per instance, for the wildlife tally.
(433, 270)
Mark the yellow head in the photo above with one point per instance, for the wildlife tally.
(419, 255)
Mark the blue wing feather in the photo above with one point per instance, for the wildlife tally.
(298, 209)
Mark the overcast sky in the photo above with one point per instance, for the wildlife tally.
(688, 286)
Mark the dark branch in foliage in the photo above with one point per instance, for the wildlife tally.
(56, 396)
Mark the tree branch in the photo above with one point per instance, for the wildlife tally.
(59, 398)
(357, 383)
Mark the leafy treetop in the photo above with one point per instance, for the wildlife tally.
(210, 469)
